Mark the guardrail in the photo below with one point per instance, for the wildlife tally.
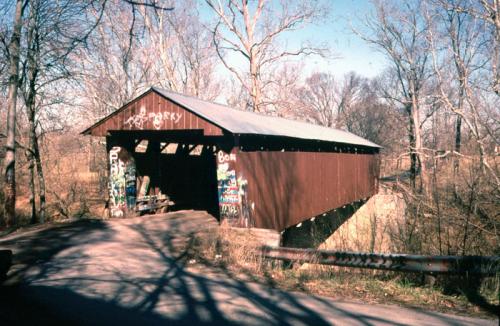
(479, 265)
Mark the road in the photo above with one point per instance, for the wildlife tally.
(130, 272)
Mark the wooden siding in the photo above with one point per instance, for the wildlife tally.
(154, 112)
(287, 188)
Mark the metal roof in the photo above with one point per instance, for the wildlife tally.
(245, 122)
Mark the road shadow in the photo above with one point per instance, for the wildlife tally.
(140, 272)
(34, 249)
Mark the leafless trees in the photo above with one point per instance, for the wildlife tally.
(349, 102)
(82, 60)
(442, 75)
(462, 36)
(252, 32)
(9, 171)
(185, 49)
(471, 62)
(486, 12)
(170, 49)
(54, 34)
(320, 99)
(399, 31)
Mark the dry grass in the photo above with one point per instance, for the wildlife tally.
(237, 253)
(231, 249)
(385, 288)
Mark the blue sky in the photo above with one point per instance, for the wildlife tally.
(353, 53)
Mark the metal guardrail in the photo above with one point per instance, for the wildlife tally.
(479, 265)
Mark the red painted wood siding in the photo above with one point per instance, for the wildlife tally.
(154, 112)
(290, 187)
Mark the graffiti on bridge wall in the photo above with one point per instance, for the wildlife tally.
(229, 200)
(223, 158)
(122, 181)
(157, 119)
(233, 203)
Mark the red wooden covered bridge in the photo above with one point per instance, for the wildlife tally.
(250, 169)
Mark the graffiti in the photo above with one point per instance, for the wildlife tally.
(227, 186)
(130, 184)
(224, 174)
(137, 120)
(233, 198)
(116, 183)
(122, 181)
(230, 211)
(243, 196)
(224, 158)
(157, 119)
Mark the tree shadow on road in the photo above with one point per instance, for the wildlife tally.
(141, 275)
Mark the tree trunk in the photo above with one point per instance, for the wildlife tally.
(31, 168)
(255, 91)
(496, 48)
(413, 155)
(41, 180)
(36, 160)
(31, 156)
(456, 157)
(419, 155)
(10, 145)
(33, 49)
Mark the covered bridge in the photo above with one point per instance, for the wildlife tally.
(250, 169)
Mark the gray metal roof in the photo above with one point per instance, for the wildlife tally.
(245, 122)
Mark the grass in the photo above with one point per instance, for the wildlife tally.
(238, 254)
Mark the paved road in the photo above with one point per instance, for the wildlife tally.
(125, 272)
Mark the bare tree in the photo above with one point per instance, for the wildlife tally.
(476, 50)
(364, 112)
(319, 99)
(487, 12)
(252, 31)
(281, 93)
(55, 33)
(115, 68)
(459, 63)
(352, 103)
(400, 32)
(184, 47)
(10, 145)
(464, 62)
(352, 91)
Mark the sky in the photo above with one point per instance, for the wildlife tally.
(350, 53)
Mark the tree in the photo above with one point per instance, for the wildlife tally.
(364, 112)
(400, 33)
(184, 47)
(55, 32)
(10, 145)
(458, 48)
(252, 33)
(464, 61)
(319, 99)
(473, 33)
(352, 103)
(488, 13)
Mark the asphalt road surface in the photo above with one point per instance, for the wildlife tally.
(129, 272)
